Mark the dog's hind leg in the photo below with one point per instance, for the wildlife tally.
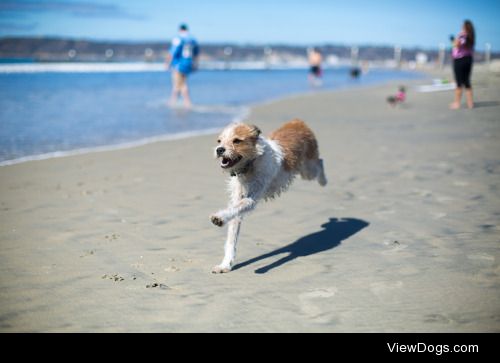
(313, 169)
(233, 232)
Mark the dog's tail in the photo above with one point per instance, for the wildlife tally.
(313, 169)
(321, 173)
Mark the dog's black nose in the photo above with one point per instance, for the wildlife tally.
(220, 150)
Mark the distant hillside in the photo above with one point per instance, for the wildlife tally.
(58, 49)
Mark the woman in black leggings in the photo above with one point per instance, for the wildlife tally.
(462, 53)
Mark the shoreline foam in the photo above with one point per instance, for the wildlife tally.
(112, 67)
(104, 148)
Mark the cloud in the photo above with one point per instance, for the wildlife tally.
(74, 8)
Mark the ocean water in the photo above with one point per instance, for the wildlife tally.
(51, 113)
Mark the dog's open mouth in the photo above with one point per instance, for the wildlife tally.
(228, 162)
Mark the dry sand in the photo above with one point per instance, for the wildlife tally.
(404, 238)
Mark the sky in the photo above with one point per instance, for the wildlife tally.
(408, 23)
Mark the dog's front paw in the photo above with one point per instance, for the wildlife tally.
(217, 220)
(221, 269)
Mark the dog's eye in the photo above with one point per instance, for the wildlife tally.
(236, 141)
(218, 141)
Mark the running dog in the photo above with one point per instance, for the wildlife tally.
(261, 168)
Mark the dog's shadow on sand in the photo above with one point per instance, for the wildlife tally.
(331, 235)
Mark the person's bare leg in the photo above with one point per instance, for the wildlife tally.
(175, 89)
(185, 96)
(458, 99)
(470, 99)
(173, 97)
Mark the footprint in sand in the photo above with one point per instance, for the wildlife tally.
(438, 215)
(408, 271)
(172, 269)
(436, 318)
(137, 265)
(482, 258)
(422, 193)
(408, 175)
(444, 199)
(311, 301)
(157, 285)
(460, 183)
(488, 227)
(395, 246)
(383, 288)
(114, 277)
(449, 318)
(384, 212)
(88, 253)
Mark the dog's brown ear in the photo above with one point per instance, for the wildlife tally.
(255, 131)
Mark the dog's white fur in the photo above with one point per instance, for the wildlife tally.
(266, 179)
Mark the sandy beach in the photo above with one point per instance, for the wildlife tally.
(404, 238)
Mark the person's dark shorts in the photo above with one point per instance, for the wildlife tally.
(462, 68)
(316, 70)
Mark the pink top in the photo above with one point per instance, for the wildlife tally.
(400, 96)
(462, 50)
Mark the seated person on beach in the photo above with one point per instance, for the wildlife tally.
(182, 60)
(399, 97)
(315, 60)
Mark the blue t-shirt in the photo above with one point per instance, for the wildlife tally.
(184, 50)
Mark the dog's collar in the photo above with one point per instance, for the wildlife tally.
(244, 169)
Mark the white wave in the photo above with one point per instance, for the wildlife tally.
(198, 108)
(218, 109)
(80, 67)
(252, 65)
(436, 87)
(238, 111)
(101, 67)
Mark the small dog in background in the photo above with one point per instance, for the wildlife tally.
(261, 168)
(399, 97)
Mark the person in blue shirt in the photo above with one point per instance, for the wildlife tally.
(182, 59)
